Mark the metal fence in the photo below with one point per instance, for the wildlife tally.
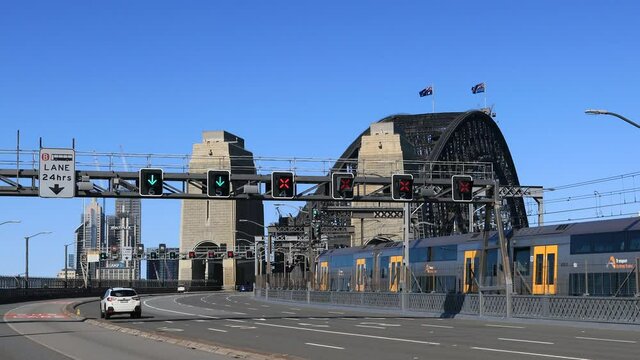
(571, 308)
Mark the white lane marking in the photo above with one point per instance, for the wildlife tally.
(234, 320)
(169, 329)
(611, 340)
(380, 324)
(252, 309)
(292, 319)
(529, 353)
(336, 312)
(296, 309)
(288, 312)
(351, 334)
(527, 341)
(169, 322)
(238, 313)
(247, 304)
(165, 310)
(313, 325)
(243, 327)
(437, 326)
(371, 327)
(260, 319)
(326, 346)
(505, 326)
(228, 305)
(265, 305)
(218, 330)
(200, 320)
(209, 317)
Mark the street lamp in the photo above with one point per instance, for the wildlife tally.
(26, 270)
(66, 261)
(605, 112)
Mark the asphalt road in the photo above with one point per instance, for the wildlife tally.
(40, 330)
(239, 321)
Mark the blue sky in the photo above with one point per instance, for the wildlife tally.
(303, 79)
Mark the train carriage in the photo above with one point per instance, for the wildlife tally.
(592, 258)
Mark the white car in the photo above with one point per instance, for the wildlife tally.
(181, 289)
(120, 301)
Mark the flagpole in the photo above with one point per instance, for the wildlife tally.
(433, 99)
(485, 95)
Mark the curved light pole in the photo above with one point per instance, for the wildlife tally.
(26, 270)
(605, 112)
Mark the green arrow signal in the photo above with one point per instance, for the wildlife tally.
(220, 182)
(152, 181)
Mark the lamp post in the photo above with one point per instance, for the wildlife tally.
(255, 244)
(26, 270)
(66, 261)
(605, 112)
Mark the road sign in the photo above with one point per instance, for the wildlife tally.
(402, 187)
(342, 186)
(283, 185)
(127, 253)
(218, 183)
(150, 182)
(57, 174)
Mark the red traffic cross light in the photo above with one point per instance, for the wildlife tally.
(283, 185)
(462, 188)
(402, 187)
(211, 254)
(342, 186)
(230, 254)
(192, 254)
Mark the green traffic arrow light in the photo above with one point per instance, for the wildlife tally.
(220, 182)
(152, 181)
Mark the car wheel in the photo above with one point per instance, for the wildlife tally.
(107, 316)
(138, 314)
(133, 315)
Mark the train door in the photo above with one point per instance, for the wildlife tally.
(471, 266)
(545, 269)
(323, 276)
(395, 272)
(361, 274)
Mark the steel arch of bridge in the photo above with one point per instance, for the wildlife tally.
(470, 136)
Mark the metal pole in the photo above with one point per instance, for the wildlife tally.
(255, 266)
(65, 265)
(508, 281)
(637, 276)
(26, 270)
(405, 258)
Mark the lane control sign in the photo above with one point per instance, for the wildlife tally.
(57, 176)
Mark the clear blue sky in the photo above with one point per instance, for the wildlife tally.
(303, 79)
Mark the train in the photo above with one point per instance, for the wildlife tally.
(597, 258)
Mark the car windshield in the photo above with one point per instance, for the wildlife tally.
(122, 293)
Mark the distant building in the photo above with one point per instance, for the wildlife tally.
(123, 235)
(71, 274)
(71, 261)
(89, 237)
(160, 269)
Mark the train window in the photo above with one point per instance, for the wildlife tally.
(418, 254)
(539, 265)
(443, 253)
(522, 259)
(551, 268)
(634, 241)
(598, 243)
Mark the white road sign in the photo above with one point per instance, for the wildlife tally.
(57, 173)
(127, 253)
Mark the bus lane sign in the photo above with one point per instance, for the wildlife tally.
(57, 174)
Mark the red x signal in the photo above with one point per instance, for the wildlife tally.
(345, 184)
(284, 183)
(464, 186)
(405, 185)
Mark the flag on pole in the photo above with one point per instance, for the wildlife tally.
(478, 88)
(426, 91)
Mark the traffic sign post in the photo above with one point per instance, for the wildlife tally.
(462, 188)
(150, 182)
(57, 175)
(342, 186)
(402, 187)
(283, 185)
(219, 183)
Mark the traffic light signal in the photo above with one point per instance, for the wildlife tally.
(211, 254)
(150, 182)
(114, 253)
(192, 254)
(249, 254)
(162, 248)
(230, 254)
(315, 214)
(342, 186)
(283, 185)
(154, 255)
(402, 187)
(140, 250)
(219, 183)
(172, 255)
(103, 256)
(462, 188)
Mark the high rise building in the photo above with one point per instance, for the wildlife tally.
(162, 269)
(123, 235)
(89, 237)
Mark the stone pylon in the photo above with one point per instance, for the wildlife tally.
(214, 224)
(381, 154)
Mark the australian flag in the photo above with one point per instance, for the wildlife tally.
(479, 88)
(426, 91)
